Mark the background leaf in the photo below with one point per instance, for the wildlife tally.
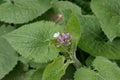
(18, 73)
(37, 75)
(106, 69)
(33, 41)
(56, 69)
(22, 11)
(85, 74)
(5, 29)
(69, 75)
(8, 56)
(103, 70)
(108, 13)
(61, 6)
(94, 42)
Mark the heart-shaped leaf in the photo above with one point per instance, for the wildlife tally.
(33, 41)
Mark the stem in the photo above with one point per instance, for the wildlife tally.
(76, 63)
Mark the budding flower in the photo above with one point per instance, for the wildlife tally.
(65, 39)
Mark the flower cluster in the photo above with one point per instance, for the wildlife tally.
(65, 39)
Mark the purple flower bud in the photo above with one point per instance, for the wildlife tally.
(64, 39)
(66, 35)
(60, 39)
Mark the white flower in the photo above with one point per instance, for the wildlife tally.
(56, 35)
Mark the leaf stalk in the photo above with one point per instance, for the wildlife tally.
(76, 62)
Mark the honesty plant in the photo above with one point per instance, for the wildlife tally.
(56, 40)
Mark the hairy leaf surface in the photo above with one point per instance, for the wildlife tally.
(64, 8)
(61, 6)
(103, 70)
(108, 12)
(33, 41)
(37, 75)
(73, 27)
(107, 70)
(56, 69)
(85, 74)
(18, 73)
(95, 42)
(8, 56)
(22, 11)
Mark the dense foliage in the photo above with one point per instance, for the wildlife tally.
(59, 40)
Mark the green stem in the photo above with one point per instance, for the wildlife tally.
(73, 57)
(76, 63)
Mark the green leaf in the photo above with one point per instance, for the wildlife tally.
(103, 70)
(53, 1)
(37, 75)
(85, 74)
(37, 65)
(18, 73)
(56, 69)
(89, 60)
(22, 11)
(8, 56)
(107, 11)
(5, 29)
(73, 27)
(61, 6)
(93, 40)
(107, 70)
(33, 41)
(69, 75)
(64, 8)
